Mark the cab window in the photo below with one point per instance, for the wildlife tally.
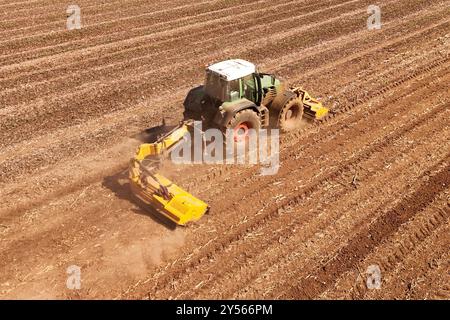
(248, 83)
(234, 90)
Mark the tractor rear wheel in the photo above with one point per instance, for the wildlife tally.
(242, 122)
(291, 115)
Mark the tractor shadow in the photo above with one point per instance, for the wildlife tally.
(152, 134)
(119, 185)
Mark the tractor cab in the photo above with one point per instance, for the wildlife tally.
(233, 80)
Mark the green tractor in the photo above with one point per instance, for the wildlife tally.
(236, 96)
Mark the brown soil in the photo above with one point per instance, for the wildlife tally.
(368, 185)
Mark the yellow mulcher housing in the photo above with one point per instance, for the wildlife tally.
(156, 190)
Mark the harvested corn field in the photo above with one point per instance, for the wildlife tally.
(366, 186)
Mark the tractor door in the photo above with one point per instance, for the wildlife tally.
(249, 88)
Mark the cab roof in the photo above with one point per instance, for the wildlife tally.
(233, 69)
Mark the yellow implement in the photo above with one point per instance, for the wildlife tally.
(313, 108)
(156, 190)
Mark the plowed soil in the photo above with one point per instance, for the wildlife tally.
(369, 185)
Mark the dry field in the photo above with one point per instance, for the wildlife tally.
(370, 185)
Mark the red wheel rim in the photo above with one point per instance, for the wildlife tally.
(241, 131)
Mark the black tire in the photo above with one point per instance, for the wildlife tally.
(189, 114)
(291, 115)
(244, 119)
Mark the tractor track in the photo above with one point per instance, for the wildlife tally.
(308, 265)
(433, 284)
(398, 248)
(69, 102)
(379, 229)
(358, 204)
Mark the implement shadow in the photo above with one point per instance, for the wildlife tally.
(119, 185)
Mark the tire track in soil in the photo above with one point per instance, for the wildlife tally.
(435, 283)
(393, 251)
(308, 270)
(415, 264)
(383, 227)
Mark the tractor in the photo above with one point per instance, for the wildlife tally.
(235, 96)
